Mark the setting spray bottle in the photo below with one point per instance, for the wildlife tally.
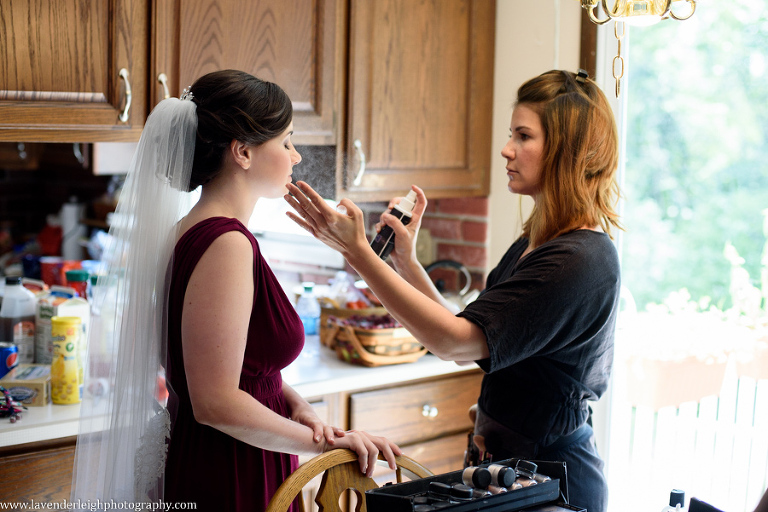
(384, 241)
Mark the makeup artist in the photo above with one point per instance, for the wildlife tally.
(543, 328)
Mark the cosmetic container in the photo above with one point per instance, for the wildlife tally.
(384, 241)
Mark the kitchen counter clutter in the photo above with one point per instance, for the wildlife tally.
(44, 423)
(316, 372)
(422, 406)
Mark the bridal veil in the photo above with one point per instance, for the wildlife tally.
(124, 426)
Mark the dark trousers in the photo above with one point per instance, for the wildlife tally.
(587, 487)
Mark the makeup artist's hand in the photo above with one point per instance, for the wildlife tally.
(342, 229)
(405, 235)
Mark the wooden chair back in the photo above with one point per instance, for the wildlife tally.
(340, 471)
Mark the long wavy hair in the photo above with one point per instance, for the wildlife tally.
(580, 157)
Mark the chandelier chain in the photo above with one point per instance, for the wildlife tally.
(618, 58)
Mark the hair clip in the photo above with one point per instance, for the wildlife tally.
(186, 94)
(582, 76)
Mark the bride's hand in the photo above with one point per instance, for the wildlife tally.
(306, 416)
(342, 229)
(367, 447)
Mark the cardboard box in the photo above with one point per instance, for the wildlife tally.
(29, 384)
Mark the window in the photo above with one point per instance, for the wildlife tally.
(285, 242)
(689, 402)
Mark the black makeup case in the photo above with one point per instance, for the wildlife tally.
(550, 496)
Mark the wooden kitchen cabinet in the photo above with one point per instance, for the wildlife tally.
(68, 67)
(292, 43)
(428, 419)
(412, 81)
(40, 472)
(62, 61)
(403, 87)
(420, 91)
(441, 455)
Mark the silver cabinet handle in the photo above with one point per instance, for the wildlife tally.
(125, 114)
(163, 79)
(78, 152)
(429, 411)
(359, 150)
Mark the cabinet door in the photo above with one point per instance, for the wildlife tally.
(37, 472)
(420, 98)
(441, 455)
(417, 412)
(289, 42)
(61, 75)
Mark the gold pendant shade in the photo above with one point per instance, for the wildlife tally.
(640, 12)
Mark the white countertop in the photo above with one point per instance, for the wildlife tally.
(317, 371)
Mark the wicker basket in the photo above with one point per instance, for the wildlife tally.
(375, 347)
(327, 328)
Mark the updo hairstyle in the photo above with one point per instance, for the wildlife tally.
(234, 105)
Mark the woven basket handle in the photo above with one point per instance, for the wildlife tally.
(375, 359)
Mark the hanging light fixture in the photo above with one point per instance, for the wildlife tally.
(638, 13)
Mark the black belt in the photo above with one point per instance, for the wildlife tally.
(564, 441)
(503, 443)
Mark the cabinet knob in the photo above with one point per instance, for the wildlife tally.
(163, 79)
(360, 155)
(125, 114)
(429, 411)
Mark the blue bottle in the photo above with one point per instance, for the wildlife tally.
(308, 309)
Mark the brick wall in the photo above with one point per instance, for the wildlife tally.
(458, 229)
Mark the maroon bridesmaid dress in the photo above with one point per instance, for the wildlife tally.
(205, 465)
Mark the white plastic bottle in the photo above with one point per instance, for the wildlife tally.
(308, 309)
(384, 241)
(676, 501)
(17, 317)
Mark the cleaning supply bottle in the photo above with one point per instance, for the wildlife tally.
(308, 309)
(78, 279)
(384, 241)
(676, 501)
(17, 318)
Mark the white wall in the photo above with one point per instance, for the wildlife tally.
(532, 36)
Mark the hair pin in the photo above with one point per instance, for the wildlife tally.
(582, 76)
(186, 94)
